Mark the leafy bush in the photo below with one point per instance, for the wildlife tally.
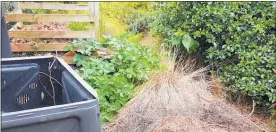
(122, 10)
(138, 22)
(136, 15)
(114, 78)
(79, 26)
(238, 37)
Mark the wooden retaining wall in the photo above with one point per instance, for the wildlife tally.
(19, 17)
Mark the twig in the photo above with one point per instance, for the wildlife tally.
(253, 109)
(50, 74)
(51, 77)
(45, 88)
(49, 80)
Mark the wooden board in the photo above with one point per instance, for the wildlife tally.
(52, 6)
(49, 18)
(50, 34)
(97, 20)
(38, 47)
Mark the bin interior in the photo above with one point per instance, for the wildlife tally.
(28, 84)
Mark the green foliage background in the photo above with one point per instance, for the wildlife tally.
(136, 15)
(238, 37)
(114, 79)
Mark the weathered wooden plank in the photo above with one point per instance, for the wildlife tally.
(91, 6)
(50, 34)
(97, 20)
(38, 47)
(19, 11)
(49, 18)
(26, 5)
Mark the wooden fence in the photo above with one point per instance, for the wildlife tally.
(19, 17)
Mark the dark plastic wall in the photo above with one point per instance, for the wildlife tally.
(77, 108)
(5, 42)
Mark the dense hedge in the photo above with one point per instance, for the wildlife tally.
(238, 37)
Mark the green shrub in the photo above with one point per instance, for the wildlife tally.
(139, 21)
(238, 37)
(114, 78)
(79, 26)
(136, 15)
(122, 10)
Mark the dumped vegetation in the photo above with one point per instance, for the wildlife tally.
(179, 99)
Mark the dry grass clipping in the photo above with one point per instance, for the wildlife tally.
(179, 100)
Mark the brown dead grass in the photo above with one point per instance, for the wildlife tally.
(181, 100)
(217, 88)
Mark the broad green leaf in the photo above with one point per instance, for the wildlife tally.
(189, 43)
(78, 59)
(176, 41)
(69, 48)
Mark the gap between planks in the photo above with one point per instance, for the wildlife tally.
(50, 34)
(55, 6)
(49, 18)
(39, 47)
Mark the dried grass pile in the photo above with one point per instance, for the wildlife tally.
(179, 100)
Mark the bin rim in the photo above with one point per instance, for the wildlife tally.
(66, 66)
(81, 104)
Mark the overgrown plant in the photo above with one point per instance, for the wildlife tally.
(79, 26)
(135, 15)
(139, 21)
(114, 78)
(238, 37)
(122, 10)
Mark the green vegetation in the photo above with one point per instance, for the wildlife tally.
(135, 16)
(111, 26)
(79, 26)
(238, 37)
(115, 78)
(139, 22)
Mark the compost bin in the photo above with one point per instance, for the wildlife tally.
(44, 94)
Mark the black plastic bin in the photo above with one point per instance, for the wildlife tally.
(5, 42)
(44, 94)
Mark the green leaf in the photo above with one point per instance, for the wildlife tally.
(69, 48)
(176, 41)
(189, 43)
(78, 59)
